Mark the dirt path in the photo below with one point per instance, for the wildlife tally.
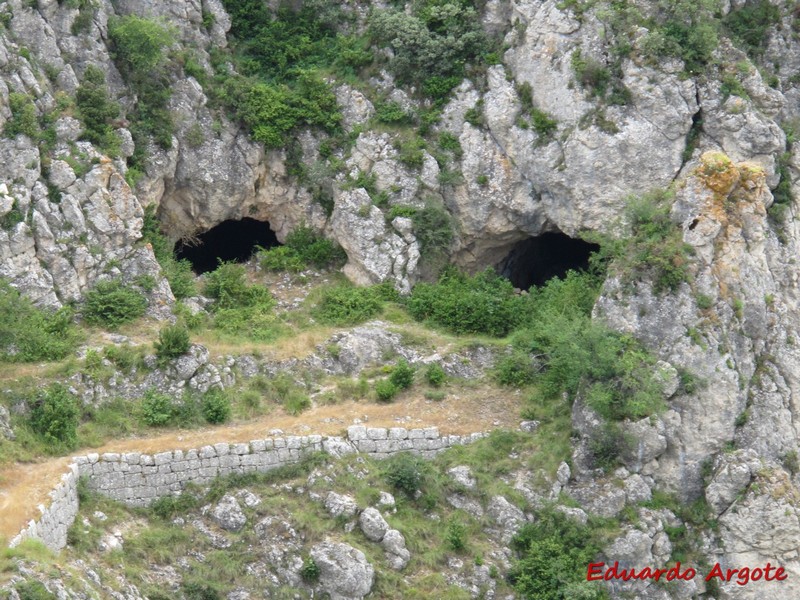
(24, 486)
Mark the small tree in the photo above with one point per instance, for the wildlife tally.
(111, 304)
(54, 416)
(216, 406)
(173, 341)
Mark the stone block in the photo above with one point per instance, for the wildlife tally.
(377, 433)
(207, 452)
(431, 433)
(357, 433)
(398, 433)
(222, 448)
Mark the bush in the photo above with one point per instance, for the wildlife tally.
(435, 375)
(606, 446)
(178, 272)
(111, 304)
(296, 402)
(281, 258)
(515, 369)
(216, 406)
(385, 390)
(200, 591)
(31, 334)
(309, 571)
(485, 303)
(54, 416)
(157, 409)
(347, 305)
(139, 44)
(392, 113)
(173, 341)
(33, 590)
(23, 117)
(313, 248)
(228, 286)
(168, 507)
(402, 375)
(97, 111)
(553, 553)
(749, 25)
(456, 534)
(405, 473)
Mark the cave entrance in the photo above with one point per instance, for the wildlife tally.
(534, 261)
(229, 241)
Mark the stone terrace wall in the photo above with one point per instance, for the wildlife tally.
(138, 479)
(51, 527)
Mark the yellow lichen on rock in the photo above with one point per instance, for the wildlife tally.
(718, 172)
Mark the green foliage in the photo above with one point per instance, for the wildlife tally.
(23, 117)
(281, 258)
(125, 357)
(30, 334)
(392, 113)
(485, 303)
(591, 75)
(33, 590)
(685, 29)
(194, 590)
(157, 409)
(402, 375)
(731, 86)
(97, 111)
(515, 369)
(314, 249)
(178, 272)
(553, 554)
(749, 24)
(227, 284)
(385, 390)
(296, 402)
(139, 44)
(456, 534)
(437, 40)
(169, 507)
(309, 571)
(173, 341)
(216, 406)
(348, 305)
(543, 123)
(405, 472)
(606, 445)
(656, 247)
(435, 231)
(14, 216)
(54, 416)
(435, 375)
(111, 304)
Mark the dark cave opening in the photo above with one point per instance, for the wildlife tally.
(534, 261)
(229, 241)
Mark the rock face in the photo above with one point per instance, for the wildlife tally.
(228, 514)
(344, 572)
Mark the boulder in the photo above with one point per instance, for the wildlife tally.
(344, 572)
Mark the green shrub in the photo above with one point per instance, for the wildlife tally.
(313, 248)
(391, 113)
(309, 571)
(54, 416)
(749, 24)
(173, 341)
(515, 369)
(14, 216)
(193, 590)
(33, 590)
(23, 117)
(591, 75)
(139, 44)
(31, 334)
(553, 553)
(168, 507)
(402, 375)
(216, 406)
(543, 123)
(296, 402)
(435, 375)
(125, 357)
(227, 284)
(405, 472)
(347, 305)
(685, 29)
(385, 390)
(281, 258)
(456, 534)
(485, 303)
(435, 231)
(606, 446)
(111, 304)
(97, 111)
(157, 409)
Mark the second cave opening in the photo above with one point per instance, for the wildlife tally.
(532, 262)
(232, 240)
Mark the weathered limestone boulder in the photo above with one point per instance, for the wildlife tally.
(228, 514)
(339, 505)
(732, 474)
(394, 547)
(372, 524)
(344, 572)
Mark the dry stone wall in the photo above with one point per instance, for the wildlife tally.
(138, 479)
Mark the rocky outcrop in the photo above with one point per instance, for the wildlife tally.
(344, 572)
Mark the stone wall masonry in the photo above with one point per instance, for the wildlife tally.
(51, 527)
(138, 479)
